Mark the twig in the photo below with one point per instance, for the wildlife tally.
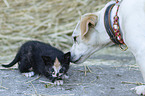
(7, 4)
(85, 71)
(3, 87)
(89, 69)
(136, 83)
(82, 70)
(93, 81)
(16, 38)
(34, 88)
(33, 79)
(51, 95)
(45, 82)
(1, 81)
(74, 84)
(60, 11)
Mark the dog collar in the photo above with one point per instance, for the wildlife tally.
(113, 31)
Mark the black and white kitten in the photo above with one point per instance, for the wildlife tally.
(35, 57)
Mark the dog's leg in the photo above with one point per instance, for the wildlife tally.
(132, 23)
(140, 90)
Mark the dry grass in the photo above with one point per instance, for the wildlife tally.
(50, 21)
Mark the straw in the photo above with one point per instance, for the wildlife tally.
(50, 21)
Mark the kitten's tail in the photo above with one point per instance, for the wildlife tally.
(16, 59)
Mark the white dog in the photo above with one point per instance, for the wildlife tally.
(90, 34)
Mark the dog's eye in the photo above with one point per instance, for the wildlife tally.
(75, 39)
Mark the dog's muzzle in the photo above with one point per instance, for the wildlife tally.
(76, 60)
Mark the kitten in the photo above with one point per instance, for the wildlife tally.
(35, 57)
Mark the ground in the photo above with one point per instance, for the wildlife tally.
(102, 74)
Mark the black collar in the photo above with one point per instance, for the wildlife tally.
(107, 22)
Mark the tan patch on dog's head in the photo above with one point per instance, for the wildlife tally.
(85, 23)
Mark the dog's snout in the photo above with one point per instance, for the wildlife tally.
(71, 58)
(75, 59)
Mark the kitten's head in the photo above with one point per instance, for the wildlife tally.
(58, 67)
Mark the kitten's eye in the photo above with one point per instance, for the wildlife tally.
(52, 70)
(53, 73)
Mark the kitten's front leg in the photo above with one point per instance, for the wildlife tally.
(58, 81)
(50, 77)
(54, 80)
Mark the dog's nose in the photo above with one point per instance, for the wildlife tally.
(73, 59)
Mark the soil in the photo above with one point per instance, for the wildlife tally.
(105, 73)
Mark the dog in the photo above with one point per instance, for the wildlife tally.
(90, 34)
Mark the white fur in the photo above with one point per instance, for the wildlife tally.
(29, 74)
(140, 90)
(132, 23)
(65, 77)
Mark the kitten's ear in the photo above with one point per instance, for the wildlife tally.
(46, 59)
(67, 55)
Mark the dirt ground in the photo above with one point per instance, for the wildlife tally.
(102, 74)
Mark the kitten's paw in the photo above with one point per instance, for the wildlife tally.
(140, 90)
(58, 82)
(29, 74)
(65, 77)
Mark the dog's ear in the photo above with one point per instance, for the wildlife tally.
(87, 22)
